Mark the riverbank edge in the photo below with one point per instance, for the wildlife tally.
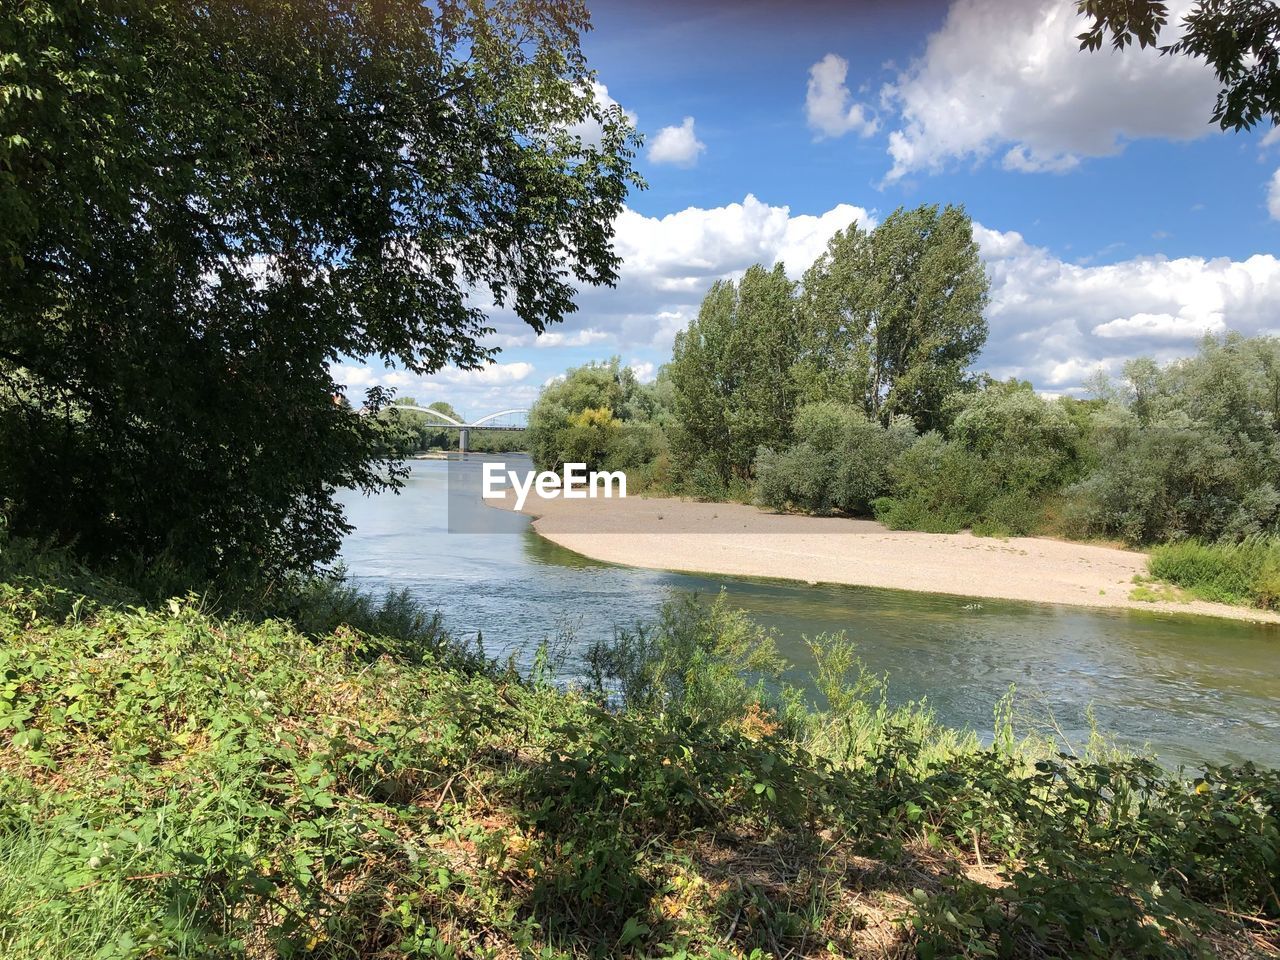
(607, 547)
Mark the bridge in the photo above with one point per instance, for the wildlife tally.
(502, 420)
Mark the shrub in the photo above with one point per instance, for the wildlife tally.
(694, 663)
(939, 487)
(841, 463)
(705, 481)
(1247, 572)
(597, 414)
(180, 785)
(803, 477)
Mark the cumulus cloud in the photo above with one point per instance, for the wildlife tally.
(644, 370)
(668, 264)
(1052, 321)
(589, 130)
(1160, 326)
(828, 104)
(1055, 322)
(474, 392)
(678, 146)
(494, 373)
(1273, 196)
(1008, 77)
(580, 338)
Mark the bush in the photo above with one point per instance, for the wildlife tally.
(598, 414)
(1007, 453)
(1247, 572)
(940, 487)
(1190, 450)
(705, 481)
(841, 463)
(693, 664)
(802, 477)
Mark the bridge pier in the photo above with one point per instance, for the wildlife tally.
(464, 436)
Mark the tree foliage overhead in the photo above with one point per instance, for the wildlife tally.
(1239, 39)
(207, 204)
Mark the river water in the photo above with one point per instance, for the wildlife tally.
(1191, 689)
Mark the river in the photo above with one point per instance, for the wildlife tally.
(1191, 689)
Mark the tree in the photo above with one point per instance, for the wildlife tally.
(731, 373)
(208, 205)
(598, 414)
(893, 317)
(1240, 39)
(1030, 443)
(1190, 449)
(442, 437)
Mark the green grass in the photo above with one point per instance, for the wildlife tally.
(174, 783)
(1151, 590)
(112, 914)
(1246, 573)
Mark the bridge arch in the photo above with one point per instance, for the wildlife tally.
(464, 429)
(448, 420)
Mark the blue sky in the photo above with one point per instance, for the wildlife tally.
(1114, 220)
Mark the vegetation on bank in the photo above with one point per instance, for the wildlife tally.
(1247, 572)
(1172, 456)
(175, 783)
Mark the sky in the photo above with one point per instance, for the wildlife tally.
(1114, 220)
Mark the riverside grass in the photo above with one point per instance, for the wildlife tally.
(1246, 573)
(176, 784)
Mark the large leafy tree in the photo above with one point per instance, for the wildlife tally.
(1239, 39)
(207, 204)
(731, 373)
(894, 316)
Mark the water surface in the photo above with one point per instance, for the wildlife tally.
(1193, 689)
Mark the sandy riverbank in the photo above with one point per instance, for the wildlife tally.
(739, 540)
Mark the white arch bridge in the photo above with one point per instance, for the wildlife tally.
(514, 419)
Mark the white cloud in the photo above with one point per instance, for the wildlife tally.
(1010, 77)
(669, 262)
(493, 374)
(644, 370)
(1052, 321)
(355, 377)
(589, 130)
(827, 103)
(1272, 137)
(507, 341)
(1160, 326)
(1273, 196)
(475, 392)
(1055, 322)
(581, 338)
(677, 145)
